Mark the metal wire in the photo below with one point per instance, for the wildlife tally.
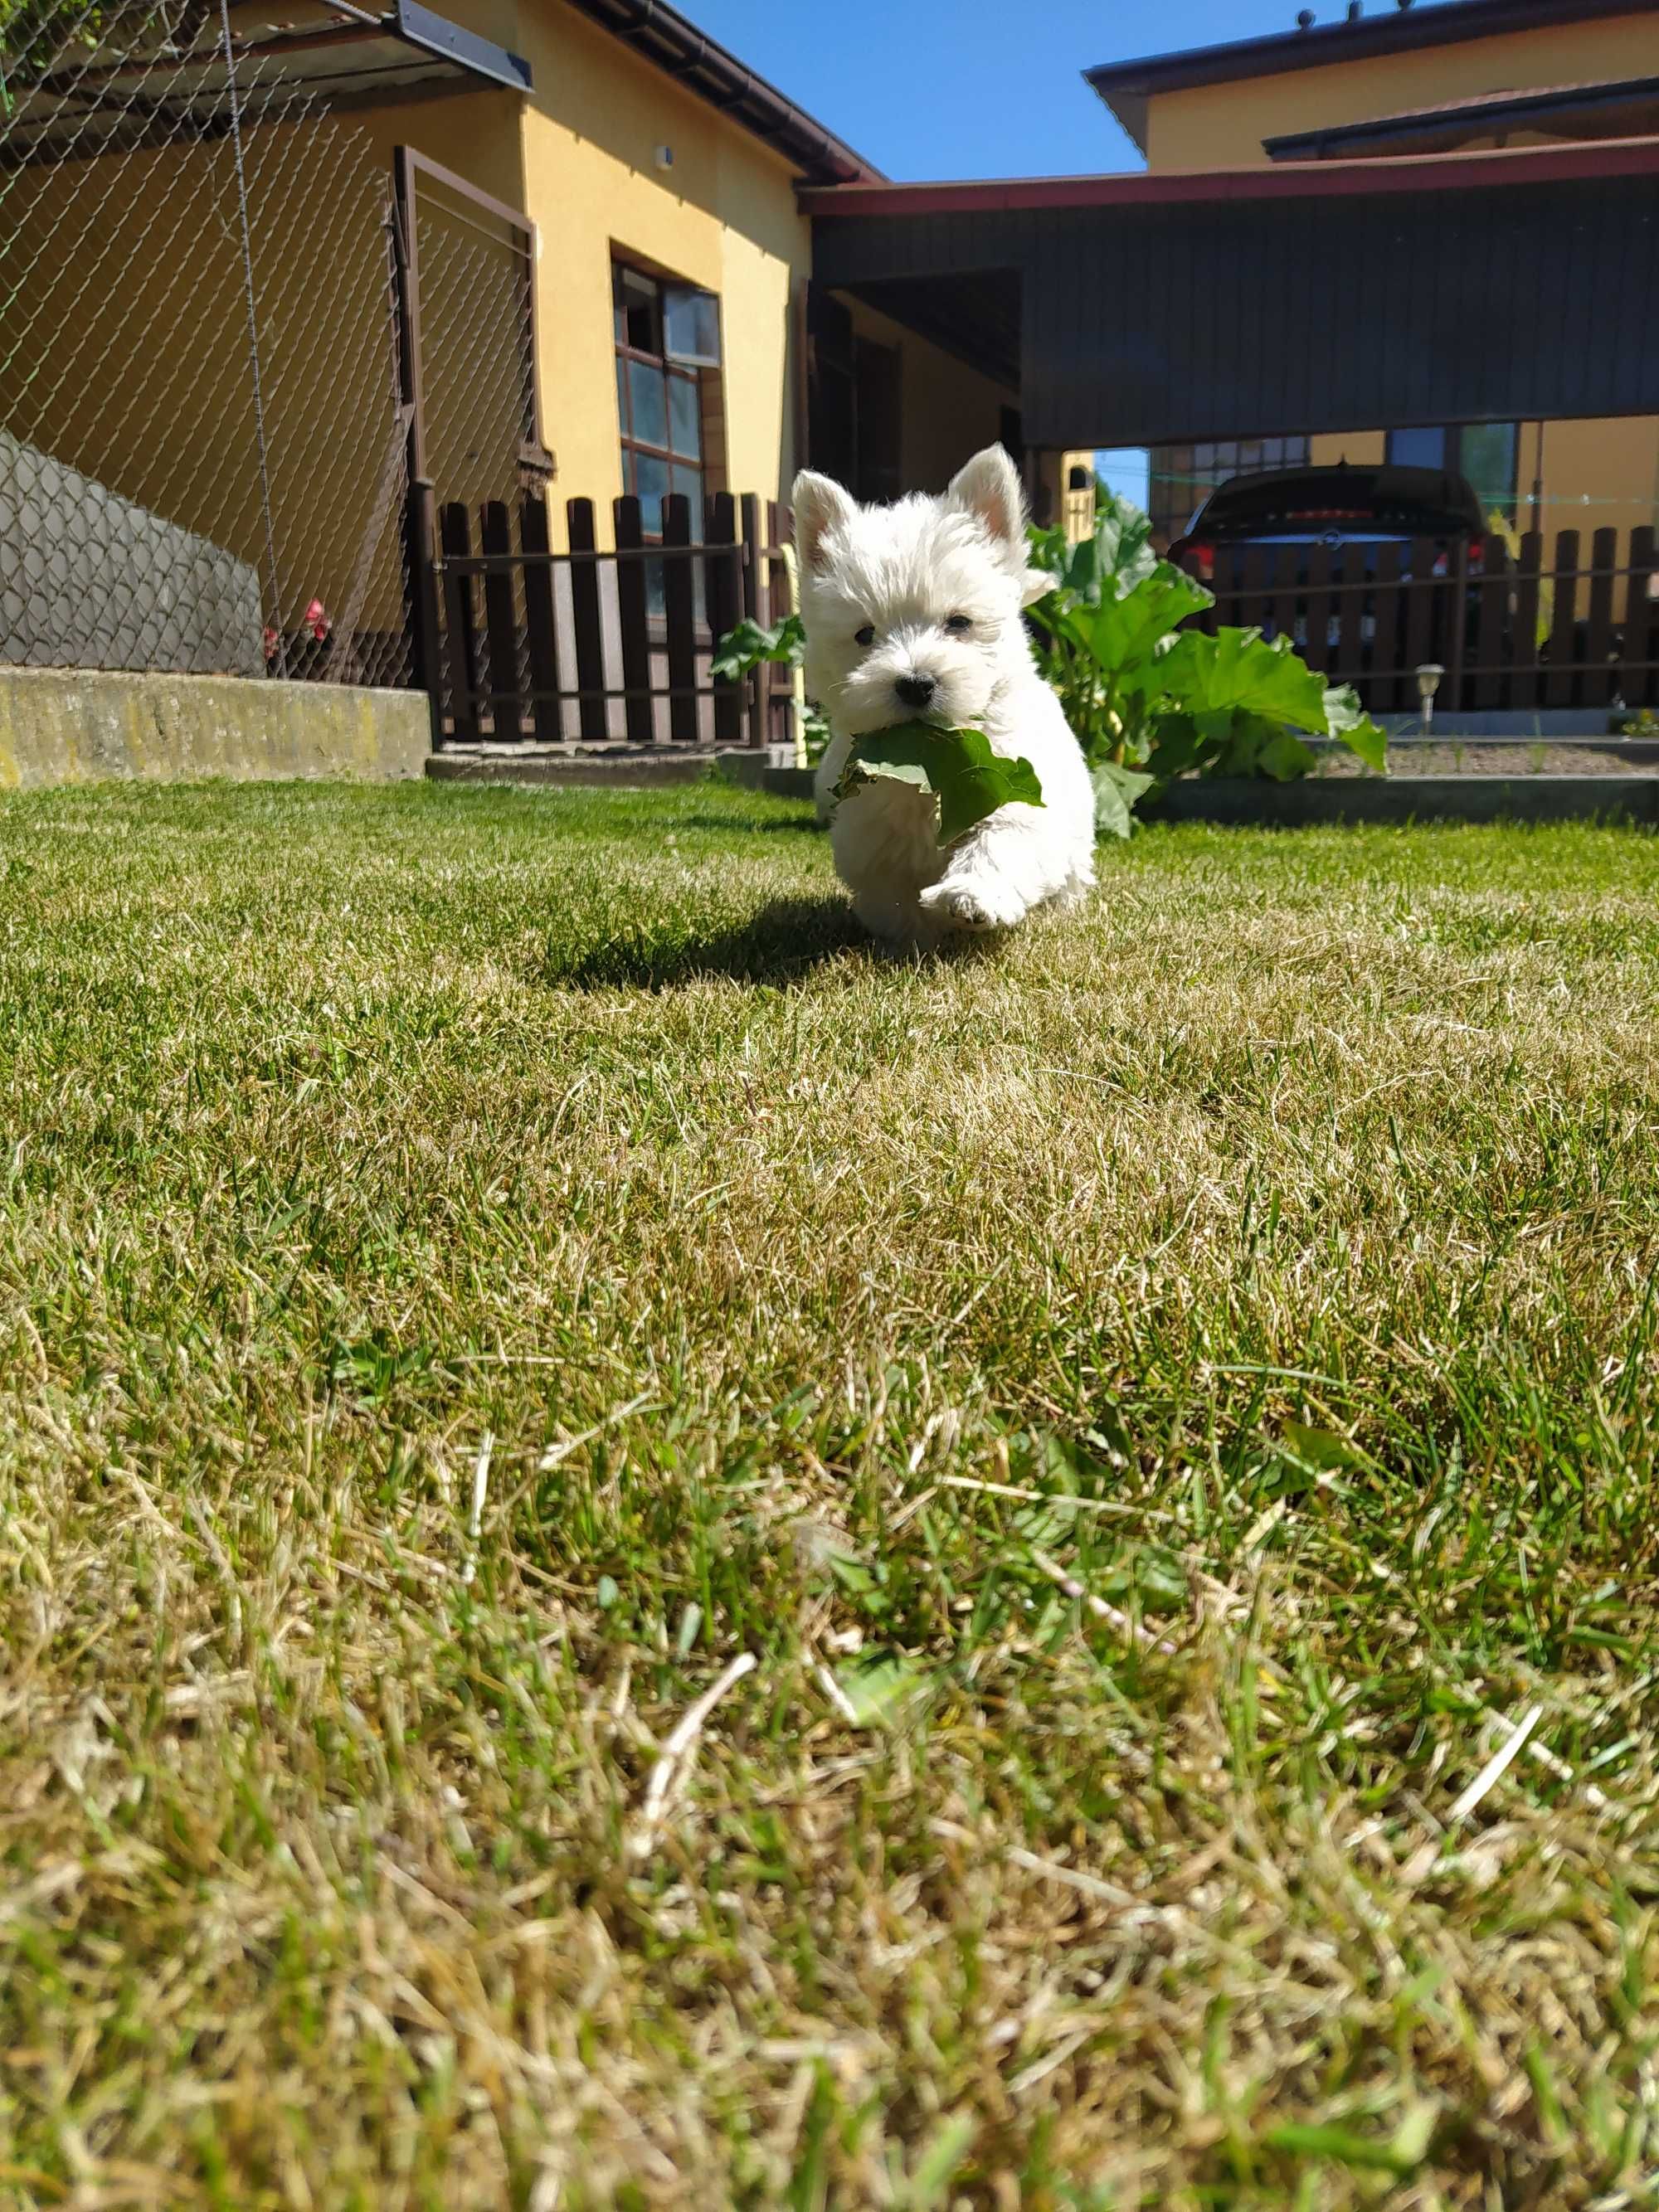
(253, 322)
(201, 451)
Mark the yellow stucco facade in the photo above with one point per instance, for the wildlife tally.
(1594, 474)
(1222, 126)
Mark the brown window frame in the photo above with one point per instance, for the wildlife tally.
(707, 465)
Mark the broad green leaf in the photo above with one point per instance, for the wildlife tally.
(1117, 792)
(1111, 562)
(1178, 744)
(749, 645)
(1285, 757)
(1346, 719)
(1239, 669)
(968, 780)
(978, 791)
(1121, 636)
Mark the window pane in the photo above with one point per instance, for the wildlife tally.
(685, 417)
(650, 403)
(692, 325)
(635, 311)
(650, 481)
(621, 394)
(690, 483)
(1418, 449)
(1488, 459)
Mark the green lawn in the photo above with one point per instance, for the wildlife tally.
(1157, 1403)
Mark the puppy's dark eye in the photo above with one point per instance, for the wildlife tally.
(956, 624)
(864, 636)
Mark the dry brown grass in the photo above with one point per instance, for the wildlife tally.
(1270, 1261)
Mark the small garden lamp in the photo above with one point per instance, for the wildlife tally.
(1428, 683)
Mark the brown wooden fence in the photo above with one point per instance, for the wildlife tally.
(600, 647)
(1512, 633)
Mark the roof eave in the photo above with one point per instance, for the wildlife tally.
(1351, 179)
(670, 42)
(1327, 44)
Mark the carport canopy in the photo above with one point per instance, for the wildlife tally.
(1138, 310)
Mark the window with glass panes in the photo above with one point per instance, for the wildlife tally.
(1487, 454)
(1182, 477)
(668, 352)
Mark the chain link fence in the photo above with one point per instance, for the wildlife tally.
(203, 457)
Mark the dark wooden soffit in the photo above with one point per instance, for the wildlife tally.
(1329, 296)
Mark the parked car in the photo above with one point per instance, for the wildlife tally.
(1336, 507)
(1337, 510)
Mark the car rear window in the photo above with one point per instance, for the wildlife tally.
(1368, 500)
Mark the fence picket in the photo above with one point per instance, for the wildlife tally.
(1524, 692)
(1494, 600)
(585, 617)
(1351, 630)
(1599, 678)
(680, 621)
(541, 631)
(1638, 677)
(722, 596)
(1382, 688)
(461, 637)
(1559, 689)
(639, 708)
(501, 694)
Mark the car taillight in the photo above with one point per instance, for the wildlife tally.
(1204, 556)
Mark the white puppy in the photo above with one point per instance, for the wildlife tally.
(912, 613)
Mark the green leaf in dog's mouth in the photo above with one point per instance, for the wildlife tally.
(958, 766)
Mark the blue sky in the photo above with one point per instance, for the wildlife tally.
(979, 87)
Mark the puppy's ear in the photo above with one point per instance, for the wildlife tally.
(820, 506)
(987, 486)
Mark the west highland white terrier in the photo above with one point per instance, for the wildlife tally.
(912, 613)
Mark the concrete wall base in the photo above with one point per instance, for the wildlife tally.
(1248, 803)
(73, 725)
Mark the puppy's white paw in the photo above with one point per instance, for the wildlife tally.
(977, 901)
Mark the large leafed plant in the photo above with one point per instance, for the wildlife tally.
(1149, 700)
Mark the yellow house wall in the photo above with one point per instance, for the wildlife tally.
(1221, 126)
(1360, 447)
(724, 217)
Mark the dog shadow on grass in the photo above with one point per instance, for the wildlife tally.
(782, 944)
(792, 825)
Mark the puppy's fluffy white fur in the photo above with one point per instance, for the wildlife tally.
(929, 592)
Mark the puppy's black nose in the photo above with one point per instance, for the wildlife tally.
(916, 691)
